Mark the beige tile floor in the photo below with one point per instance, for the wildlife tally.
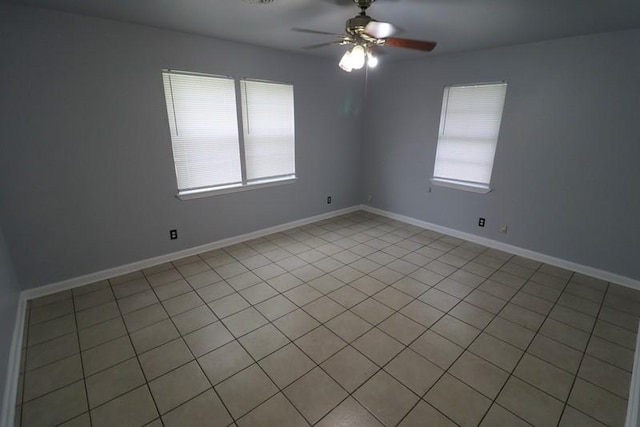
(354, 321)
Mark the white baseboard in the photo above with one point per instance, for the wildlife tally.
(516, 250)
(634, 390)
(13, 366)
(150, 262)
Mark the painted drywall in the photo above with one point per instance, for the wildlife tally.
(566, 173)
(87, 179)
(9, 293)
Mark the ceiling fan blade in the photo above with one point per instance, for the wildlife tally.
(381, 30)
(410, 44)
(315, 46)
(304, 30)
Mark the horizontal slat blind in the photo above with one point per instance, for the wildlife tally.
(204, 129)
(268, 127)
(469, 128)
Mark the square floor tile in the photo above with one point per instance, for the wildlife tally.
(258, 293)
(162, 359)
(51, 329)
(320, 344)
(182, 303)
(372, 311)
(424, 414)
(393, 298)
(565, 334)
(437, 349)
(510, 332)
(438, 299)
(275, 307)
(402, 328)
(368, 285)
(246, 390)
(349, 413)
(347, 296)
(458, 401)
(284, 282)
(174, 289)
(145, 317)
(224, 362)
(326, 284)
(349, 368)
(612, 379)
(296, 324)
(55, 407)
(523, 317)
(414, 371)
(323, 309)
(315, 394)
(555, 353)
(47, 378)
(244, 322)
(51, 351)
(101, 333)
(275, 412)
(529, 403)
(201, 411)
(498, 416)
(348, 326)
(286, 365)
(545, 376)
(210, 293)
(573, 417)
(228, 305)
(107, 355)
(302, 295)
(137, 301)
(114, 382)
(496, 351)
(194, 319)
(378, 346)
(135, 408)
(386, 398)
(263, 341)
(481, 375)
(472, 315)
(485, 301)
(455, 330)
(208, 338)
(154, 335)
(178, 386)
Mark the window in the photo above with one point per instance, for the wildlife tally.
(469, 127)
(219, 147)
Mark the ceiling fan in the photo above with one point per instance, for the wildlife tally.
(367, 35)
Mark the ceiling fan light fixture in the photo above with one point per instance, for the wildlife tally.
(357, 57)
(372, 61)
(345, 62)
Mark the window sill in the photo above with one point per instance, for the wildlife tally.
(235, 188)
(461, 185)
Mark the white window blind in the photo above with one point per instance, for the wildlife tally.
(204, 129)
(268, 128)
(210, 154)
(469, 127)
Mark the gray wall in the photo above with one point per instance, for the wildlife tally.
(566, 175)
(9, 291)
(86, 174)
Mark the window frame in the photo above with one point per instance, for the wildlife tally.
(245, 184)
(460, 184)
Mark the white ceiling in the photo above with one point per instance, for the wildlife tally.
(457, 25)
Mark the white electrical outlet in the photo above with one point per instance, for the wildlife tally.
(503, 228)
